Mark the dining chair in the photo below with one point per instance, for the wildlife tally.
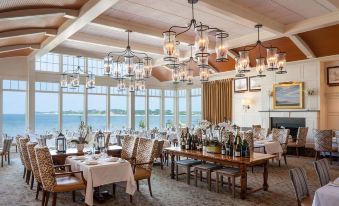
(119, 138)
(159, 152)
(259, 133)
(5, 151)
(281, 136)
(300, 185)
(35, 170)
(322, 169)
(322, 142)
(56, 182)
(107, 139)
(129, 148)
(23, 145)
(300, 141)
(20, 154)
(256, 126)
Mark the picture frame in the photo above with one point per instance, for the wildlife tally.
(288, 95)
(333, 76)
(240, 84)
(254, 83)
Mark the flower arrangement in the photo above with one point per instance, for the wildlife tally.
(83, 132)
(310, 92)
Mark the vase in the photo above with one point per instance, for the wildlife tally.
(80, 147)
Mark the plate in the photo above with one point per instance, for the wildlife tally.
(122, 160)
(78, 157)
(91, 162)
(111, 159)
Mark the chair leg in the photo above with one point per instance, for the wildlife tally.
(188, 175)
(297, 151)
(73, 196)
(161, 161)
(316, 155)
(8, 159)
(233, 187)
(279, 163)
(330, 158)
(200, 176)
(149, 186)
(196, 177)
(32, 181)
(46, 198)
(137, 185)
(113, 191)
(37, 190)
(23, 176)
(2, 161)
(28, 176)
(209, 180)
(285, 159)
(130, 198)
(43, 198)
(229, 183)
(176, 172)
(54, 198)
(217, 182)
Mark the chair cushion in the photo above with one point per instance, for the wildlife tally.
(141, 173)
(307, 201)
(229, 171)
(188, 162)
(68, 183)
(208, 166)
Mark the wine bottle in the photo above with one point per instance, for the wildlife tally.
(237, 152)
(186, 143)
(245, 148)
(223, 149)
(182, 141)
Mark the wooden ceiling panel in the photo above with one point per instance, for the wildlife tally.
(9, 5)
(324, 41)
(221, 66)
(293, 53)
(20, 52)
(162, 74)
(29, 39)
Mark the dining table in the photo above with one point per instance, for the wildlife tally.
(241, 162)
(102, 171)
(327, 195)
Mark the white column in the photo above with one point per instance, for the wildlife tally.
(30, 95)
(176, 108)
(131, 110)
(162, 108)
(60, 99)
(108, 108)
(188, 107)
(1, 110)
(85, 97)
(146, 108)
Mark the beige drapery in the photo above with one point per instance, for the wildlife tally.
(217, 100)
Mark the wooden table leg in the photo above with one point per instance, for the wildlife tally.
(265, 175)
(172, 166)
(243, 181)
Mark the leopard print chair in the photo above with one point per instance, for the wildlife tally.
(129, 148)
(281, 136)
(5, 151)
(23, 145)
(322, 142)
(56, 182)
(35, 169)
(20, 154)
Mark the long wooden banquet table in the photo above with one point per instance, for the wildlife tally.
(256, 159)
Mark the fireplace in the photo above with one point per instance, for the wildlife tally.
(289, 123)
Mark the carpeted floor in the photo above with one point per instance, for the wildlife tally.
(14, 191)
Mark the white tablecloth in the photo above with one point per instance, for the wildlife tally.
(326, 196)
(271, 147)
(102, 174)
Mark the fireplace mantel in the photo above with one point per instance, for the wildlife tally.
(289, 111)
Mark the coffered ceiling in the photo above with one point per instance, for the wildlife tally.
(303, 28)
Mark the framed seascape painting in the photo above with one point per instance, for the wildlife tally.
(333, 76)
(241, 84)
(288, 95)
(254, 83)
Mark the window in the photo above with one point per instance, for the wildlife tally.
(182, 108)
(169, 97)
(196, 106)
(140, 100)
(72, 108)
(46, 106)
(48, 62)
(96, 66)
(97, 108)
(14, 107)
(71, 62)
(118, 113)
(154, 108)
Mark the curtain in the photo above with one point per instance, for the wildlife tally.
(217, 100)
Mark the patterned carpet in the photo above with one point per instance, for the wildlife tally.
(13, 190)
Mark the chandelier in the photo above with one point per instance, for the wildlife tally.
(171, 48)
(275, 59)
(71, 78)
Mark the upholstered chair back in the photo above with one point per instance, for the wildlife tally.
(107, 138)
(322, 169)
(159, 148)
(45, 166)
(19, 149)
(146, 153)
(322, 140)
(7, 142)
(129, 147)
(256, 126)
(32, 158)
(23, 144)
(259, 133)
(280, 135)
(299, 181)
(301, 136)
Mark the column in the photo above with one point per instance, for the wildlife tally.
(131, 110)
(176, 108)
(188, 107)
(1, 109)
(30, 95)
(85, 98)
(60, 99)
(146, 108)
(162, 109)
(108, 108)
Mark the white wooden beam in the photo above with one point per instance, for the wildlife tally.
(19, 47)
(313, 23)
(91, 10)
(302, 46)
(33, 13)
(26, 32)
(117, 44)
(232, 54)
(331, 5)
(240, 14)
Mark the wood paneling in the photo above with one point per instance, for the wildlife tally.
(21, 52)
(324, 41)
(221, 66)
(29, 39)
(9, 5)
(162, 74)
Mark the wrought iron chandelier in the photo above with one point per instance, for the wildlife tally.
(135, 66)
(71, 78)
(171, 48)
(275, 59)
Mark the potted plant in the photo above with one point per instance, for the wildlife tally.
(83, 133)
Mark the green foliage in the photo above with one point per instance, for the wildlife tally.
(142, 124)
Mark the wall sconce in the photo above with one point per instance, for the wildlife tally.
(246, 104)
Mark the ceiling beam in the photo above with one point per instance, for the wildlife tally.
(242, 15)
(91, 10)
(33, 13)
(117, 44)
(301, 44)
(19, 47)
(329, 4)
(313, 23)
(26, 32)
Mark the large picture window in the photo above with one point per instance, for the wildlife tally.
(154, 108)
(196, 106)
(140, 100)
(49, 62)
(182, 108)
(119, 105)
(97, 108)
(73, 108)
(169, 97)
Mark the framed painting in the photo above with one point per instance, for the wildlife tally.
(288, 95)
(333, 76)
(241, 84)
(254, 83)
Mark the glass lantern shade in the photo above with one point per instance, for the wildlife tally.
(60, 143)
(204, 74)
(75, 80)
(90, 81)
(175, 76)
(201, 40)
(107, 65)
(121, 85)
(244, 61)
(64, 81)
(202, 61)
(281, 62)
(221, 47)
(131, 86)
(260, 66)
(117, 70)
(271, 58)
(147, 67)
(100, 140)
(182, 74)
(169, 45)
(238, 69)
(129, 66)
(189, 76)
